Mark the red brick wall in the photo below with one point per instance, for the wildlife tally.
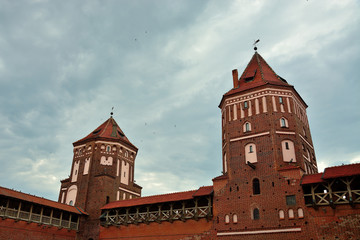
(178, 230)
(342, 223)
(21, 230)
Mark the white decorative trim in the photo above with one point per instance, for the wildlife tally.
(80, 146)
(116, 144)
(285, 230)
(63, 189)
(306, 142)
(250, 136)
(266, 92)
(290, 133)
(126, 190)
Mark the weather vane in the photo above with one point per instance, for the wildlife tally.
(255, 42)
(112, 111)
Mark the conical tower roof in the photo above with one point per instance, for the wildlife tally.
(257, 73)
(109, 131)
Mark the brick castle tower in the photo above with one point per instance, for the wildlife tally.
(102, 171)
(266, 148)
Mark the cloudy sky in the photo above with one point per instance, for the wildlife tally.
(163, 66)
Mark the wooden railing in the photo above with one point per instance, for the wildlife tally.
(37, 218)
(334, 192)
(136, 216)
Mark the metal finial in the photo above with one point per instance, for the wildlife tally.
(111, 113)
(255, 42)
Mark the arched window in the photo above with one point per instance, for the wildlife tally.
(284, 122)
(300, 213)
(126, 154)
(71, 195)
(256, 214)
(86, 166)
(246, 104)
(227, 218)
(281, 214)
(247, 127)
(250, 153)
(256, 186)
(108, 148)
(288, 151)
(291, 214)
(235, 218)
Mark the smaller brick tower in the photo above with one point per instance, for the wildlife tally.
(267, 147)
(102, 171)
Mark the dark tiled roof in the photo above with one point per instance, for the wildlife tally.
(109, 130)
(257, 73)
(38, 200)
(220, 177)
(312, 178)
(332, 172)
(342, 171)
(171, 197)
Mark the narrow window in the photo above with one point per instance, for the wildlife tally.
(227, 218)
(300, 213)
(246, 104)
(235, 218)
(256, 186)
(247, 127)
(281, 214)
(291, 214)
(107, 199)
(71, 202)
(108, 148)
(286, 145)
(250, 153)
(256, 214)
(283, 122)
(280, 100)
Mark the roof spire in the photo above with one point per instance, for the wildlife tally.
(111, 113)
(255, 42)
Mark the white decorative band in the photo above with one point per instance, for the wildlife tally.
(261, 231)
(290, 133)
(306, 141)
(124, 189)
(116, 144)
(250, 136)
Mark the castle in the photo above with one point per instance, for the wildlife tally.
(270, 187)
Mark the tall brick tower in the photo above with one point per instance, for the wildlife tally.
(266, 148)
(102, 171)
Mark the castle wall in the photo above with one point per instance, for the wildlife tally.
(11, 229)
(177, 230)
(342, 222)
